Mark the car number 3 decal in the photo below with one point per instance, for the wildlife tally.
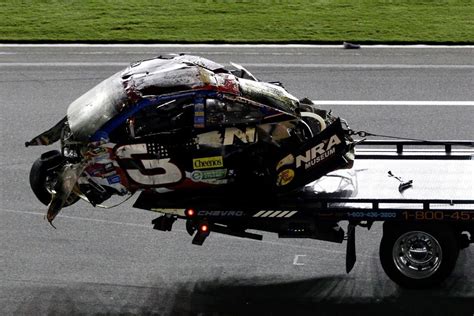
(155, 172)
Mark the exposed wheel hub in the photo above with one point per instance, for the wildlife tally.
(417, 254)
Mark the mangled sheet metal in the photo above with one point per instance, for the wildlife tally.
(96, 107)
(270, 94)
(185, 123)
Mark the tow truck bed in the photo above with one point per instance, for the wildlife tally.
(442, 181)
(425, 196)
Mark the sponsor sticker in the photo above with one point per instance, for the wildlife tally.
(199, 116)
(285, 177)
(231, 134)
(113, 179)
(208, 162)
(318, 153)
(220, 213)
(98, 151)
(95, 170)
(198, 175)
(109, 167)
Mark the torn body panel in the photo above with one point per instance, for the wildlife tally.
(270, 94)
(96, 107)
(66, 181)
(50, 136)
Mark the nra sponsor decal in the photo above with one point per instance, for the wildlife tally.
(208, 162)
(285, 177)
(310, 158)
(198, 175)
(318, 153)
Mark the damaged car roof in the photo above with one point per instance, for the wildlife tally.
(165, 76)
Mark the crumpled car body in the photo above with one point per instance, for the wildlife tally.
(185, 123)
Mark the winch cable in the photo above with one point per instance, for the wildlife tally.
(365, 134)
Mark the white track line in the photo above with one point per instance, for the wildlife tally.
(66, 64)
(358, 66)
(76, 218)
(239, 46)
(183, 231)
(259, 65)
(295, 260)
(398, 103)
(318, 102)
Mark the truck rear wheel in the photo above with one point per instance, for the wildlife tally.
(418, 255)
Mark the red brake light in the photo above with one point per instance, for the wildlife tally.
(190, 212)
(204, 228)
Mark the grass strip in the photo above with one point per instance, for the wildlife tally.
(237, 21)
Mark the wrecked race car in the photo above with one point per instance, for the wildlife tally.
(184, 125)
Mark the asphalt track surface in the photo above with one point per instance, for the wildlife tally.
(113, 262)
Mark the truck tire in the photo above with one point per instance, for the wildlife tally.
(39, 173)
(418, 255)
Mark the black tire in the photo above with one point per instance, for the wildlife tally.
(313, 124)
(416, 255)
(39, 172)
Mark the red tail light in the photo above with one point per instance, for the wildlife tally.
(190, 212)
(204, 228)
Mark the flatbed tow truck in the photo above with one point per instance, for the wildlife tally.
(423, 191)
(166, 126)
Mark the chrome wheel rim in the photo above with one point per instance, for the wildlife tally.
(417, 254)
